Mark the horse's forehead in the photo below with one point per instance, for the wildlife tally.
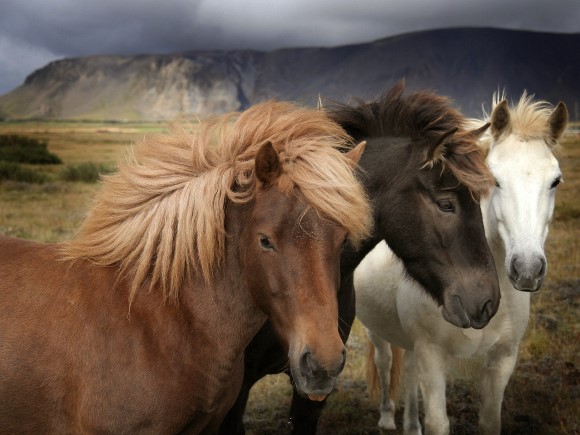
(290, 211)
(440, 178)
(518, 156)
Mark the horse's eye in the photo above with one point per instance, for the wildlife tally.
(556, 182)
(446, 206)
(497, 183)
(265, 243)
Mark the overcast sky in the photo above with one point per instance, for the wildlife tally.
(35, 32)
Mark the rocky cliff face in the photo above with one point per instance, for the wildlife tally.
(141, 87)
(466, 64)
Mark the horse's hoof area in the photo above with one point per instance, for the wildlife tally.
(387, 424)
(317, 397)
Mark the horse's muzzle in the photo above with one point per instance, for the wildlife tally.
(315, 378)
(456, 313)
(527, 274)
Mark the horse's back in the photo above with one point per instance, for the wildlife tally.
(27, 270)
(35, 284)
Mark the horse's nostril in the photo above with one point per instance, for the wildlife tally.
(530, 268)
(514, 266)
(309, 366)
(305, 363)
(542, 271)
(487, 310)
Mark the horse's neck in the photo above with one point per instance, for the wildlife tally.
(234, 317)
(222, 312)
(351, 257)
(380, 163)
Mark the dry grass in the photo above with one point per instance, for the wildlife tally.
(52, 212)
(543, 396)
(76, 142)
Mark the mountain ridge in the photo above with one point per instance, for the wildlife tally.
(466, 64)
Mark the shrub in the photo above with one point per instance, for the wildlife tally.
(14, 172)
(87, 172)
(22, 149)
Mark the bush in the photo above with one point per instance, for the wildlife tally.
(22, 149)
(14, 172)
(87, 172)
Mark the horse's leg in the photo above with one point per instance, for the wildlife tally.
(233, 421)
(383, 359)
(411, 423)
(431, 362)
(496, 374)
(304, 414)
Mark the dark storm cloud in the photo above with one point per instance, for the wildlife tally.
(33, 32)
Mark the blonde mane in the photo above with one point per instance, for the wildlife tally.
(161, 217)
(528, 118)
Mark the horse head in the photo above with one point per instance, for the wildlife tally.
(519, 210)
(425, 173)
(292, 257)
(437, 230)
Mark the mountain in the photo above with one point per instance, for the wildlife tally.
(467, 64)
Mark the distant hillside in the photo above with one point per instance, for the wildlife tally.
(465, 64)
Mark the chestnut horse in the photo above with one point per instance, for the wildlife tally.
(423, 171)
(139, 324)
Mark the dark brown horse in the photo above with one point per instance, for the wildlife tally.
(424, 173)
(139, 324)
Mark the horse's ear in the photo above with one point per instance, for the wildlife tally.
(500, 119)
(355, 153)
(478, 132)
(268, 167)
(438, 149)
(558, 120)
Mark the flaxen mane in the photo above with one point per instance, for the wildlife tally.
(161, 217)
(422, 116)
(528, 119)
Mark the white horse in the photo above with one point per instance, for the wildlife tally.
(517, 214)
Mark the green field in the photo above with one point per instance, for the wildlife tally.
(543, 396)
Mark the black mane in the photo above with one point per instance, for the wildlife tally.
(418, 115)
(424, 117)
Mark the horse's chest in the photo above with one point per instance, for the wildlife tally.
(468, 343)
(475, 342)
(213, 406)
(187, 401)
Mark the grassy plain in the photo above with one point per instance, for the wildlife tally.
(51, 212)
(543, 396)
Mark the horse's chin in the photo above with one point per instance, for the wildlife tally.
(316, 388)
(526, 285)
